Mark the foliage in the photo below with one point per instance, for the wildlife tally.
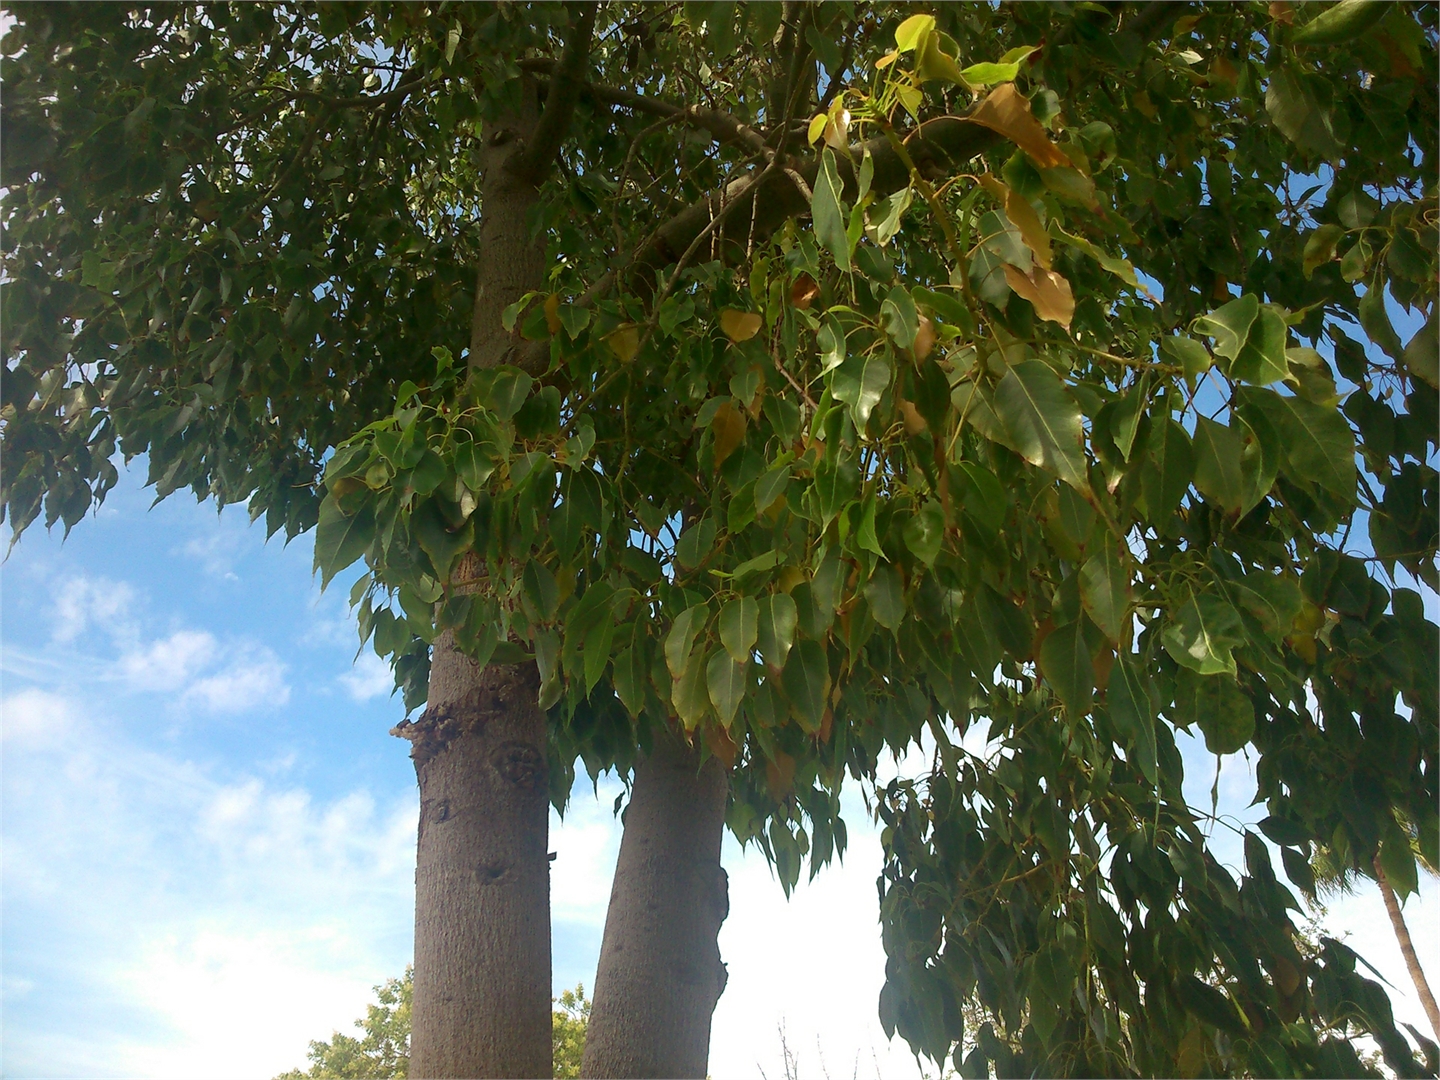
(384, 1052)
(381, 1053)
(1033, 391)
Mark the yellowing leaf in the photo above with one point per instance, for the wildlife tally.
(924, 338)
(936, 64)
(1047, 290)
(728, 426)
(1007, 112)
(817, 127)
(552, 313)
(739, 325)
(913, 31)
(1022, 215)
(625, 343)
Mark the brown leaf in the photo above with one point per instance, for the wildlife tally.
(1282, 11)
(1022, 215)
(924, 338)
(1007, 112)
(804, 292)
(728, 427)
(1047, 290)
(739, 325)
(914, 423)
(780, 774)
(721, 745)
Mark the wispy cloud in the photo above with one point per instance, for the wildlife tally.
(168, 663)
(83, 604)
(253, 680)
(370, 678)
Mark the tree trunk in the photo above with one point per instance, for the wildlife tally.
(482, 876)
(1407, 949)
(660, 973)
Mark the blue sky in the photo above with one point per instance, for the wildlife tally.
(208, 833)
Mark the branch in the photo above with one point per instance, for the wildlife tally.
(565, 89)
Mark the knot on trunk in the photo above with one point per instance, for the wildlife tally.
(441, 724)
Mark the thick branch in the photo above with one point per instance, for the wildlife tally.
(565, 86)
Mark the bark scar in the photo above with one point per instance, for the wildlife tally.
(520, 763)
(439, 725)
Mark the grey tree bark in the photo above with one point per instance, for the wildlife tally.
(660, 972)
(482, 877)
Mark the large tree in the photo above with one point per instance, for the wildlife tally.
(729, 394)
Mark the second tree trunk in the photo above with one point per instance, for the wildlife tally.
(660, 973)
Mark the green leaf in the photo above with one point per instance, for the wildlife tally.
(902, 321)
(865, 533)
(739, 625)
(1262, 359)
(1293, 107)
(859, 383)
(1398, 861)
(596, 653)
(830, 339)
(828, 211)
(1377, 323)
(540, 589)
(988, 74)
(1166, 472)
(340, 540)
(508, 389)
(1065, 662)
(1217, 705)
(886, 596)
(1229, 325)
(439, 542)
(1105, 590)
(1043, 419)
(806, 680)
(776, 628)
(836, 483)
(1201, 634)
(1422, 356)
(1217, 464)
(629, 677)
(985, 499)
(1341, 22)
(1133, 713)
(690, 693)
(925, 532)
(682, 636)
(725, 681)
(473, 464)
(1319, 445)
(1320, 247)
(1188, 354)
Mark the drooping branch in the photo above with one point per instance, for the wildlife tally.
(565, 86)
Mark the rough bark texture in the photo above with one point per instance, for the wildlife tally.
(660, 972)
(1407, 949)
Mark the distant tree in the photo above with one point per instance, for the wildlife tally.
(383, 1052)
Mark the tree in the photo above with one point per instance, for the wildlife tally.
(729, 394)
(384, 1051)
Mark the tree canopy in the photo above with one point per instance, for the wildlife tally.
(899, 369)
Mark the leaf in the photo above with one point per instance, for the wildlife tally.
(624, 343)
(1047, 290)
(1319, 445)
(1043, 419)
(770, 487)
(1229, 325)
(596, 653)
(541, 589)
(740, 326)
(1341, 22)
(776, 621)
(806, 680)
(1121, 268)
(1262, 358)
(1188, 354)
(1422, 356)
(912, 32)
(1133, 713)
(1105, 590)
(1006, 112)
(1022, 215)
(728, 426)
(690, 693)
(886, 596)
(827, 210)
(738, 627)
(508, 389)
(725, 681)
(1065, 662)
(1217, 465)
(1166, 472)
(989, 73)
(859, 383)
(925, 532)
(1218, 706)
(836, 483)
(629, 678)
(682, 636)
(1377, 323)
(831, 340)
(1201, 634)
(340, 540)
(1320, 247)
(1294, 109)
(902, 321)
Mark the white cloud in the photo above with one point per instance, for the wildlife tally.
(255, 679)
(33, 717)
(370, 677)
(169, 663)
(216, 553)
(82, 603)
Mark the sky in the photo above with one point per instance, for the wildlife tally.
(208, 833)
